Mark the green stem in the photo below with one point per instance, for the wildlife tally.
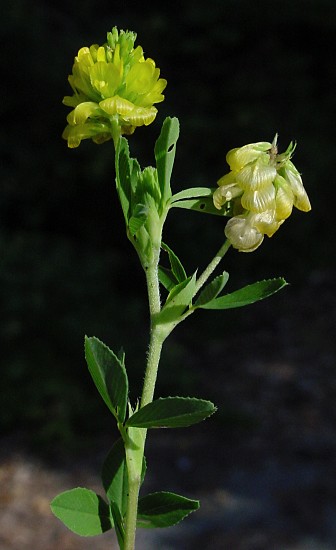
(155, 346)
(156, 337)
(137, 436)
(212, 266)
(132, 509)
(134, 448)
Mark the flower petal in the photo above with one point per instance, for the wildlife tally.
(84, 58)
(141, 116)
(75, 134)
(259, 201)
(105, 78)
(301, 199)
(101, 56)
(74, 100)
(265, 222)
(256, 176)
(239, 157)
(231, 177)
(141, 78)
(284, 200)
(154, 95)
(302, 202)
(242, 235)
(82, 112)
(226, 193)
(117, 106)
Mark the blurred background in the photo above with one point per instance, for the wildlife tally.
(238, 72)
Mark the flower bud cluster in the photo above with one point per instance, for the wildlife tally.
(262, 186)
(114, 88)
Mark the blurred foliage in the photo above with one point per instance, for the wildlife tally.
(237, 72)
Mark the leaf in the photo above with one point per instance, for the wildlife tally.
(127, 176)
(82, 511)
(204, 204)
(247, 295)
(118, 525)
(172, 412)
(166, 278)
(123, 178)
(164, 151)
(178, 300)
(121, 356)
(115, 476)
(164, 509)
(138, 218)
(109, 375)
(175, 264)
(193, 192)
(176, 291)
(212, 290)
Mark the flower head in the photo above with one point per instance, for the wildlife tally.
(263, 187)
(115, 89)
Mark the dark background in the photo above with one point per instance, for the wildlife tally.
(238, 72)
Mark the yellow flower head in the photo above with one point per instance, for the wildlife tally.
(263, 187)
(115, 89)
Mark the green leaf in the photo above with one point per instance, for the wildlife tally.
(121, 356)
(171, 412)
(128, 174)
(82, 511)
(247, 295)
(115, 476)
(212, 290)
(123, 175)
(164, 509)
(164, 151)
(166, 278)
(138, 218)
(178, 300)
(176, 291)
(118, 524)
(193, 192)
(204, 204)
(109, 375)
(175, 264)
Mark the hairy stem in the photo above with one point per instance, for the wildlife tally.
(138, 435)
(132, 509)
(156, 338)
(153, 358)
(212, 266)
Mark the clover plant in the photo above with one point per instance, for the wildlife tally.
(115, 89)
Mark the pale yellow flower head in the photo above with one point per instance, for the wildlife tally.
(115, 89)
(262, 186)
